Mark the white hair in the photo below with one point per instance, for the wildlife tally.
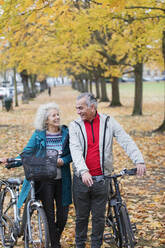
(42, 115)
(90, 99)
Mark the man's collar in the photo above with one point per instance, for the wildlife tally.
(95, 117)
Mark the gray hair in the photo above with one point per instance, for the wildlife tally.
(90, 99)
(42, 115)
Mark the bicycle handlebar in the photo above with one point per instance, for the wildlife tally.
(130, 172)
(11, 162)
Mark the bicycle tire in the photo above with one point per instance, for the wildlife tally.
(6, 232)
(39, 229)
(112, 237)
(128, 240)
(8, 229)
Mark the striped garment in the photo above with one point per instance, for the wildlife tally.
(54, 142)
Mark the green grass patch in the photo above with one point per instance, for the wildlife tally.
(149, 89)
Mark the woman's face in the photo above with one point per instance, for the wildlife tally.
(53, 118)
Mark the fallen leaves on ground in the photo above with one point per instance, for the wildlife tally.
(145, 197)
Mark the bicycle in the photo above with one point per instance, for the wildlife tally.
(32, 224)
(121, 232)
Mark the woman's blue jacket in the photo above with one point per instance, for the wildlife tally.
(37, 143)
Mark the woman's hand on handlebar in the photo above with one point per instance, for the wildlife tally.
(3, 160)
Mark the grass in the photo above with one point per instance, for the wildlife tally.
(149, 88)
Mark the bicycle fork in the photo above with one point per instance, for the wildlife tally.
(31, 204)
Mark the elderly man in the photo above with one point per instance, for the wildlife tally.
(91, 141)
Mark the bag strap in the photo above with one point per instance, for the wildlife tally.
(105, 127)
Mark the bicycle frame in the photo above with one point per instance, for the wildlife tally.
(12, 223)
(115, 202)
(9, 186)
(115, 207)
(15, 194)
(32, 202)
(17, 220)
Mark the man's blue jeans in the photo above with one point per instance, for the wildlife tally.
(90, 199)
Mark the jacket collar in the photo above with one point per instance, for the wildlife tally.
(102, 116)
(42, 133)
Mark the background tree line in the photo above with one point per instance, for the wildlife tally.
(92, 42)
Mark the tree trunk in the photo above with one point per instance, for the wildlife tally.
(138, 89)
(73, 83)
(86, 85)
(43, 85)
(90, 86)
(162, 126)
(32, 82)
(81, 85)
(115, 93)
(26, 91)
(76, 85)
(97, 89)
(104, 97)
(15, 89)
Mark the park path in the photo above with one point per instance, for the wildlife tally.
(145, 197)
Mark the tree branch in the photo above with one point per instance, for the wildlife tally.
(144, 7)
(137, 19)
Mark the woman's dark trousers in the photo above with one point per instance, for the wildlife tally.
(90, 199)
(50, 191)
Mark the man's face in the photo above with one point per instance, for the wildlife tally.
(86, 113)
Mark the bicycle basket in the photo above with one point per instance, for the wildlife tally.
(39, 168)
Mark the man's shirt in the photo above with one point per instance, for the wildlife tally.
(93, 155)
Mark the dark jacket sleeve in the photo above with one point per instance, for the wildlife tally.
(66, 156)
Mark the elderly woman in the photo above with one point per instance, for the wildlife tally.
(50, 135)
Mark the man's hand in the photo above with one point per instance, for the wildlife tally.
(87, 179)
(141, 169)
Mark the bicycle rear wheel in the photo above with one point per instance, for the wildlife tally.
(128, 239)
(39, 229)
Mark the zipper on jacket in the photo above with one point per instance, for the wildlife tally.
(105, 126)
(92, 131)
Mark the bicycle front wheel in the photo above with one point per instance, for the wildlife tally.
(6, 232)
(38, 229)
(128, 239)
(7, 223)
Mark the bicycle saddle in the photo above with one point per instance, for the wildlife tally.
(15, 181)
